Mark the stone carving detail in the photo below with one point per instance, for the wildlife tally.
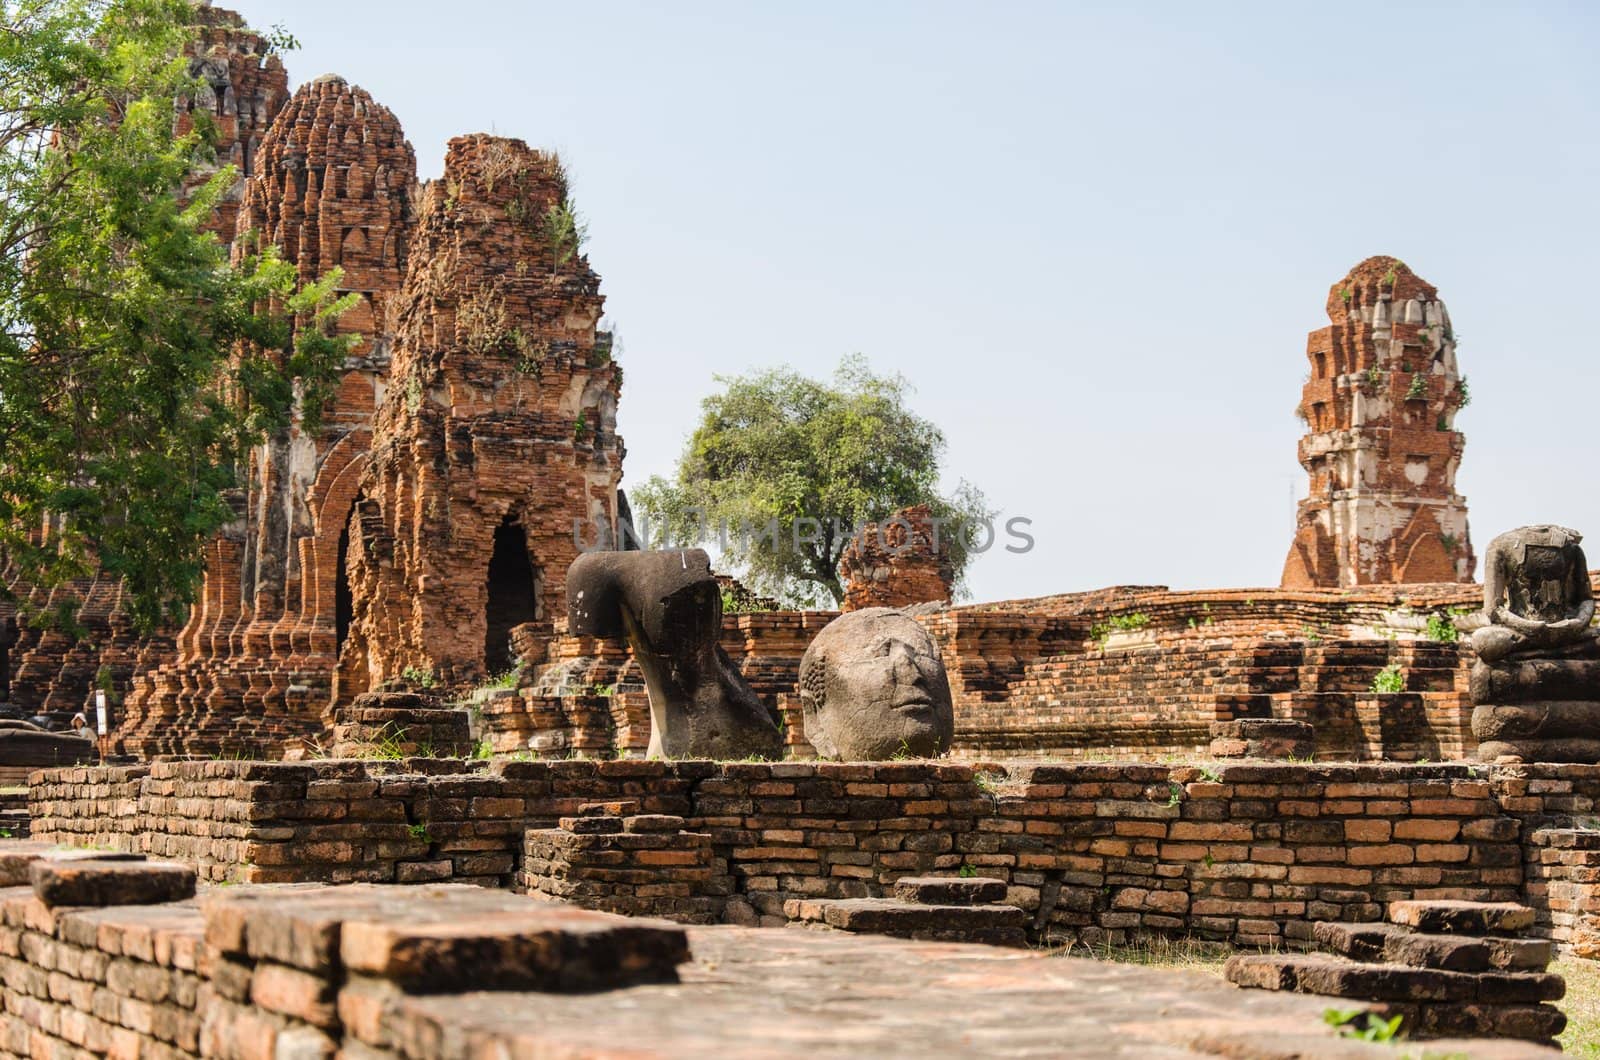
(873, 686)
(896, 563)
(496, 444)
(670, 607)
(1536, 684)
(1381, 445)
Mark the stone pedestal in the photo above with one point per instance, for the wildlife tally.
(1539, 706)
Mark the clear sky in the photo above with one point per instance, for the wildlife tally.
(1094, 236)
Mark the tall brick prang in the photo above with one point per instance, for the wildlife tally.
(332, 187)
(496, 445)
(1381, 445)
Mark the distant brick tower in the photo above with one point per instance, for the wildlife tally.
(242, 85)
(496, 443)
(895, 564)
(1381, 445)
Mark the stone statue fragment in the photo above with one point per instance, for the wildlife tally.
(1536, 684)
(873, 686)
(669, 606)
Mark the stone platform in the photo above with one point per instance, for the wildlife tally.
(459, 973)
(801, 994)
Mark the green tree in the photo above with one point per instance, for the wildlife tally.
(137, 365)
(815, 460)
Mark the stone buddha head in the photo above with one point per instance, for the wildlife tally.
(873, 687)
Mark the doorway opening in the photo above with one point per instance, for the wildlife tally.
(344, 608)
(513, 595)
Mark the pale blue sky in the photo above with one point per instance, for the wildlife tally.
(1094, 236)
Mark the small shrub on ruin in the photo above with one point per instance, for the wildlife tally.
(1362, 1025)
(967, 872)
(501, 681)
(1463, 393)
(1390, 679)
(1130, 623)
(420, 833)
(422, 678)
(1418, 389)
(566, 231)
(1442, 628)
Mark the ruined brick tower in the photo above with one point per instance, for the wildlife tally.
(498, 430)
(1381, 445)
(242, 86)
(331, 185)
(896, 564)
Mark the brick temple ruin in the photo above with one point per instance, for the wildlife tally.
(1381, 446)
(425, 528)
(469, 853)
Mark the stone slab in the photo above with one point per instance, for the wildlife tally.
(1001, 925)
(1462, 918)
(433, 939)
(1393, 944)
(804, 995)
(101, 882)
(950, 890)
(1336, 977)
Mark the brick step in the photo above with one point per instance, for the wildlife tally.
(1319, 973)
(1532, 1023)
(950, 890)
(1393, 944)
(998, 925)
(1444, 917)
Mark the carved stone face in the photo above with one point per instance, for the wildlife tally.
(873, 687)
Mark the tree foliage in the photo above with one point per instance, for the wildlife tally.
(817, 461)
(137, 364)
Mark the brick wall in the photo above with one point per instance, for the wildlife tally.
(1249, 853)
(1055, 677)
(99, 982)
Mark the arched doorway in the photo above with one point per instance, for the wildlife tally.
(513, 594)
(344, 607)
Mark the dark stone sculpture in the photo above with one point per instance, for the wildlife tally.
(1536, 684)
(670, 607)
(873, 686)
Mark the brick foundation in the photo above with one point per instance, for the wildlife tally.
(1253, 854)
